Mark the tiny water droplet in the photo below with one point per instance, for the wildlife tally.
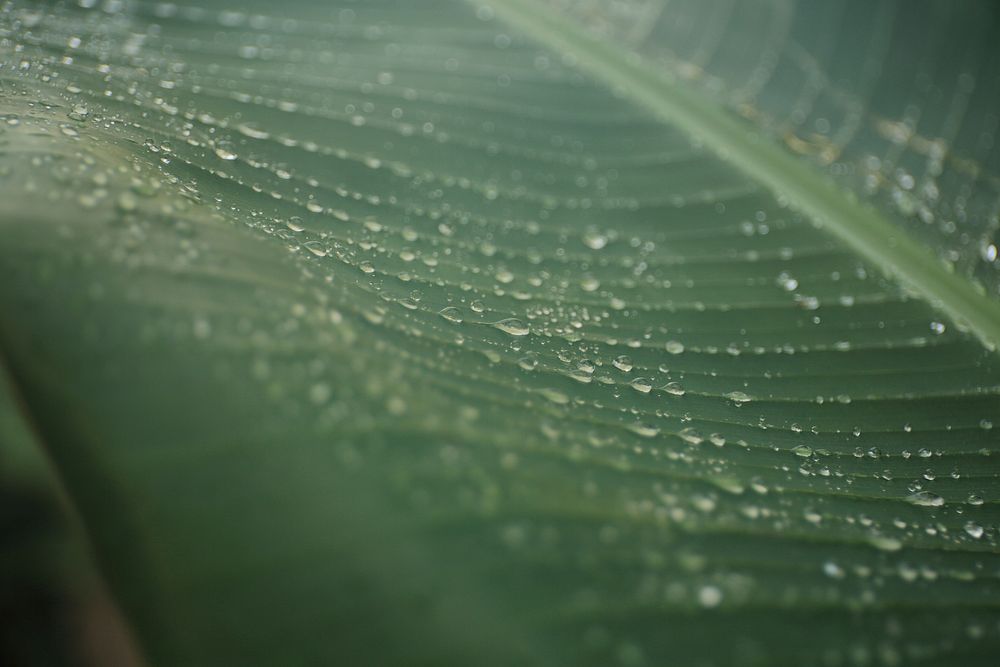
(925, 499)
(555, 396)
(709, 596)
(644, 430)
(974, 530)
(595, 240)
(833, 570)
(674, 388)
(739, 397)
(512, 326)
(691, 436)
(225, 152)
(79, 112)
(642, 385)
(885, 543)
(127, 202)
(623, 363)
(674, 346)
(452, 314)
(315, 247)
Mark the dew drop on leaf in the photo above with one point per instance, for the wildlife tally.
(974, 529)
(512, 326)
(225, 152)
(709, 596)
(642, 385)
(925, 499)
(739, 397)
(674, 388)
(595, 240)
(623, 363)
(452, 314)
(674, 347)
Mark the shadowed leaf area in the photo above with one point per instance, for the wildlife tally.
(585, 333)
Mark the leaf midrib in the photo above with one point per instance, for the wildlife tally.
(858, 225)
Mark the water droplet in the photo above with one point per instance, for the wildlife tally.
(315, 247)
(885, 543)
(674, 388)
(452, 314)
(512, 326)
(224, 152)
(554, 396)
(989, 252)
(833, 570)
(739, 397)
(974, 530)
(595, 240)
(644, 430)
(642, 385)
(804, 451)
(79, 112)
(690, 436)
(709, 596)
(925, 499)
(674, 346)
(251, 131)
(127, 202)
(623, 363)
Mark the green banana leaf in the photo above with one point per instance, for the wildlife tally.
(519, 332)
